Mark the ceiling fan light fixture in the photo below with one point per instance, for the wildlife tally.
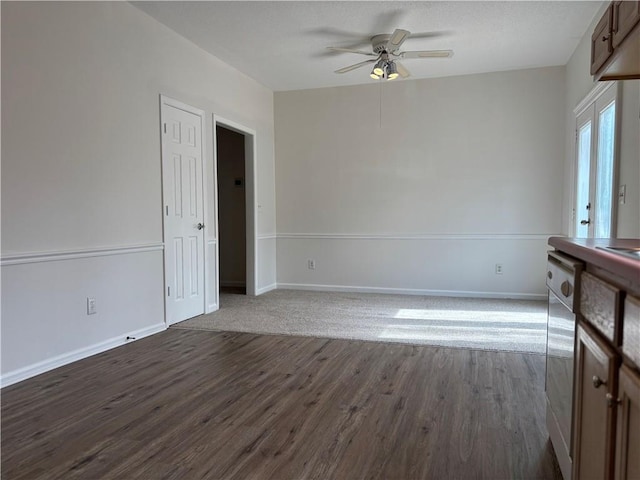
(392, 71)
(378, 69)
(374, 75)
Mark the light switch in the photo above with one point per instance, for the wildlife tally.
(622, 194)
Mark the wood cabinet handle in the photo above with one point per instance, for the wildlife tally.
(611, 400)
(606, 37)
(598, 382)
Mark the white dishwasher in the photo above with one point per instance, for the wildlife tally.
(563, 282)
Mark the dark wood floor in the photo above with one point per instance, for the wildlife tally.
(193, 404)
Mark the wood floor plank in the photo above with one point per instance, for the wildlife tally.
(197, 404)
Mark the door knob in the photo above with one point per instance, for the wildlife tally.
(585, 222)
(200, 226)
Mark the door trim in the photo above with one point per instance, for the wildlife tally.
(172, 102)
(251, 197)
(587, 102)
(592, 96)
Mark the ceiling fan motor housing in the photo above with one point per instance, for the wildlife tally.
(379, 42)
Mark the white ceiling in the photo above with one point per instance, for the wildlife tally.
(283, 44)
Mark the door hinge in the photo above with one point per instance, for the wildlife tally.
(576, 140)
(165, 128)
(168, 291)
(167, 209)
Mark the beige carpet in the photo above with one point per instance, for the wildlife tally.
(484, 324)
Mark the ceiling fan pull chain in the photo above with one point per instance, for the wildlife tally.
(380, 83)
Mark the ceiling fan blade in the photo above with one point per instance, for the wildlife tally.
(346, 38)
(404, 73)
(351, 50)
(397, 39)
(338, 32)
(353, 67)
(442, 33)
(427, 54)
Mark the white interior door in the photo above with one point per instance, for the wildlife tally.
(182, 179)
(595, 207)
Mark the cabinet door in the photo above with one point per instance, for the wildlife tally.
(594, 420)
(628, 427)
(625, 16)
(601, 46)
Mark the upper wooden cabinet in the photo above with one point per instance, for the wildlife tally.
(615, 43)
(601, 46)
(625, 16)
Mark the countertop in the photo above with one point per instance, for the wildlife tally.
(585, 249)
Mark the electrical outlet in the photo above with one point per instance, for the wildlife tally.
(499, 269)
(311, 264)
(91, 306)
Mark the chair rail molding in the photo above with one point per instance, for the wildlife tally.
(416, 236)
(56, 255)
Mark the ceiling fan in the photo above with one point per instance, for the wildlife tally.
(386, 53)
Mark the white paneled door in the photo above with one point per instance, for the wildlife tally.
(182, 179)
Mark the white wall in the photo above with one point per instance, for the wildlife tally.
(629, 213)
(579, 83)
(81, 171)
(459, 174)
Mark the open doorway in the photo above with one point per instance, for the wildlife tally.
(235, 183)
(232, 201)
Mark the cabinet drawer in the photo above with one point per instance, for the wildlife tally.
(599, 305)
(631, 329)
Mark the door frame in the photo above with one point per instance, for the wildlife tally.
(251, 205)
(172, 102)
(587, 102)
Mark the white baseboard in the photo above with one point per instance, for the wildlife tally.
(41, 367)
(411, 291)
(266, 289)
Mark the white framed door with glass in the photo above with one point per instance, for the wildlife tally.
(594, 207)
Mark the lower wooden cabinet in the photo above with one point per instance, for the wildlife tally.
(594, 420)
(605, 431)
(628, 425)
(606, 434)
